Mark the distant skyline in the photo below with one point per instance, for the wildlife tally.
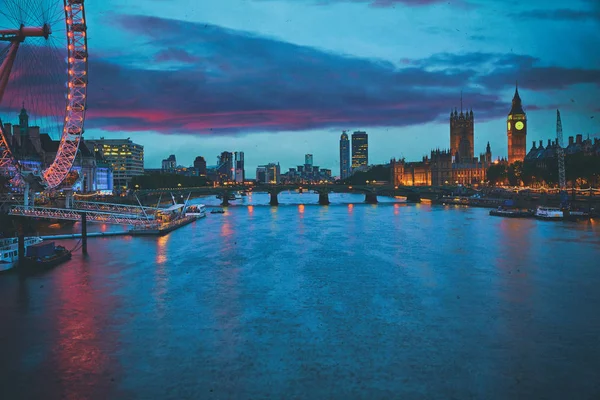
(281, 78)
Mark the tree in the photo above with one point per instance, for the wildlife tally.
(376, 173)
(162, 181)
(514, 172)
(496, 173)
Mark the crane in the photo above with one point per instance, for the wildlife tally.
(561, 158)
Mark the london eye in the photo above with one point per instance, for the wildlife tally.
(43, 73)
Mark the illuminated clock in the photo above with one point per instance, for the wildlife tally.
(509, 125)
(519, 125)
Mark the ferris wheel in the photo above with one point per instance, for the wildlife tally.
(44, 65)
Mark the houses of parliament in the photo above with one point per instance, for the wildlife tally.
(458, 164)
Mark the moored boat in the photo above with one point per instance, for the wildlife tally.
(9, 251)
(549, 214)
(512, 213)
(577, 215)
(45, 255)
(196, 210)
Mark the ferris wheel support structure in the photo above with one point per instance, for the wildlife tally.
(77, 68)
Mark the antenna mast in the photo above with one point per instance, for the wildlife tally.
(561, 153)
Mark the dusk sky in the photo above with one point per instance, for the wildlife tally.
(281, 78)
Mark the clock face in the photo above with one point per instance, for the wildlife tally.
(509, 125)
(519, 125)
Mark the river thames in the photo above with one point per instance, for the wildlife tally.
(347, 301)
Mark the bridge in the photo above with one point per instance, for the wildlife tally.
(412, 193)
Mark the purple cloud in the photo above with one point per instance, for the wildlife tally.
(236, 82)
(173, 54)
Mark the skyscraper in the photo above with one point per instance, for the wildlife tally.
(344, 156)
(239, 174)
(308, 159)
(225, 166)
(360, 150)
(200, 166)
(516, 130)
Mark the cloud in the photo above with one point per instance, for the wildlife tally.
(563, 14)
(498, 71)
(172, 54)
(240, 82)
(236, 82)
(382, 3)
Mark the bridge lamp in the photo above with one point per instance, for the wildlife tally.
(179, 185)
(367, 182)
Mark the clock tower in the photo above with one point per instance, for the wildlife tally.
(516, 130)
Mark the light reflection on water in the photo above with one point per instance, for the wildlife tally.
(306, 301)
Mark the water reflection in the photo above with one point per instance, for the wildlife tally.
(78, 350)
(246, 306)
(161, 249)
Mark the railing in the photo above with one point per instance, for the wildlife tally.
(115, 208)
(75, 215)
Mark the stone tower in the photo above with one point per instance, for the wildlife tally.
(516, 130)
(462, 135)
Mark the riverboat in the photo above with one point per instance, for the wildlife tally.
(45, 255)
(230, 197)
(512, 213)
(577, 216)
(196, 210)
(549, 214)
(217, 211)
(9, 251)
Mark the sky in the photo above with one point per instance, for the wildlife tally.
(281, 78)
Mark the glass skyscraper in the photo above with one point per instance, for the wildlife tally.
(345, 171)
(360, 150)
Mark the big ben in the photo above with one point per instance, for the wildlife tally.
(516, 130)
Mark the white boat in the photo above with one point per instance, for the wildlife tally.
(9, 251)
(549, 213)
(196, 210)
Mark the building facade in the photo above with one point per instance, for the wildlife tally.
(360, 150)
(225, 167)
(239, 173)
(270, 173)
(124, 157)
(456, 165)
(308, 159)
(462, 135)
(200, 166)
(169, 165)
(344, 156)
(36, 151)
(516, 130)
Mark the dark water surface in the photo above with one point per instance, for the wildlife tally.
(347, 301)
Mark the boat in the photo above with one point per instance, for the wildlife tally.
(514, 213)
(196, 210)
(230, 197)
(9, 251)
(45, 255)
(577, 215)
(217, 211)
(549, 213)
